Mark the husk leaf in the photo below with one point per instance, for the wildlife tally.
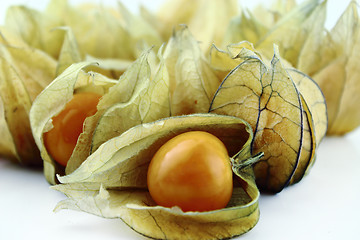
(339, 76)
(53, 99)
(149, 102)
(24, 73)
(121, 92)
(300, 21)
(272, 103)
(192, 81)
(216, 14)
(115, 187)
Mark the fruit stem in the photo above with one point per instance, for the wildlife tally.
(239, 164)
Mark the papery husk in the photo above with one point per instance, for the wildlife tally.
(122, 93)
(53, 99)
(85, 34)
(269, 16)
(38, 30)
(328, 57)
(207, 20)
(24, 73)
(71, 53)
(115, 187)
(301, 22)
(149, 101)
(339, 76)
(35, 28)
(192, 81)
(181, 83)
(279, 110)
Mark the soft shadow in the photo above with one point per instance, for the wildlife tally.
(14, 165)
(106, 228)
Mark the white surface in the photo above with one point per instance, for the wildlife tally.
(324, 205)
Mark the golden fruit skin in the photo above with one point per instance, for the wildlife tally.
(60, 141)
(191, 171)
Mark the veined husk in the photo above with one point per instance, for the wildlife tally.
(83, 32)
(129, 102)
(124, 104)
(53, 99)
(38, 46)
(285, 107)
(263, 27)
(302, 22)
(339, 75)
(183, 82)
(24, 72)
(141, 96)
(329, 57)
(116, 187)
(192, 80)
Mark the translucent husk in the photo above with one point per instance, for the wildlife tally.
(53, 99)
(85, 34)
(329, 57)
(116, 187)
(24, 72)
(38, 46)
(215, 13)
(177, 82)
(285, 108)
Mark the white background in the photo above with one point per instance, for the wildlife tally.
(324, 205)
